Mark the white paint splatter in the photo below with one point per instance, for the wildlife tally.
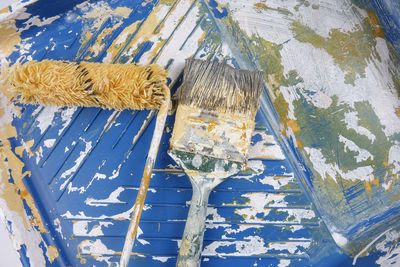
(284, 262)
(21, 235)
(255, 245)
(58, 228)
(81, 228)
(213, 212)
(266, 148)
(138, 234)
(172, 49)
(260, 200)
(252, 245)
(162, 259)
(68, 173)
(126, 215)
(66, 117)
(363, 173)
(45, 118)
(94, 248)
(197, 161)
(351, 120)
(49, 142)
(111, 199)
(339, 239)
(297, 215)
(365, 249)
(387, 185)
(36, 21)
(256, 166)
(115, 173)
(319, 163)
(292, 247)
(82, 189)
(394, 158)
(278, 181)
(349, 145)
(391, 247)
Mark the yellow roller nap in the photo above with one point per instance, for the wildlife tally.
(112, 86)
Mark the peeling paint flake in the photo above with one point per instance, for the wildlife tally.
(68, 173)
(112, 199)
(266, 148)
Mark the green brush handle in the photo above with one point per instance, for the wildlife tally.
(192, 241)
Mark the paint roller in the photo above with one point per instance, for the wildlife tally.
(88, 84)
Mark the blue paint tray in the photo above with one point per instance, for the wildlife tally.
(321, 188)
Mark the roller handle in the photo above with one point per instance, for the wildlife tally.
(144, 184)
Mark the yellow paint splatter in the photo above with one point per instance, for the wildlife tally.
(11, 167)
(10, 37)
(294, 126)
(19, 150)
(97, 47)
(178, 171)
(350, 50)
(120, 41)
(299, 144)
(390, 188)
(395, 198)
(4, 10)
(167, 2)
(260, 6)
(26, 147)
(52, 253)
(376, 181)
(101, 14)
(11, 173)
(398, 112)
(375, 25)
(368, 187)
(145, 32)
(94, 20)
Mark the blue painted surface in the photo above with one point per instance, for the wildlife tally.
(388, 12)
(163, 224)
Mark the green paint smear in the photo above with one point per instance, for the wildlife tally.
(167, 2)
(213, 39)
(267, 54)
(364, 4)
(351, 50)
(350, 201)
(301, 3)
(322, 128)
(344, 203)
(395, 68)
(314, 6)
(261, 6)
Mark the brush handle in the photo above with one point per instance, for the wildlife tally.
(192, 240)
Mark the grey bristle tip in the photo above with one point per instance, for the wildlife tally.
(217, 86)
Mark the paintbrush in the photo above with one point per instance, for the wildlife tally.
(88, 84)
(211, 137)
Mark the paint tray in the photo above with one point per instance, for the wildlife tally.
(321, 187)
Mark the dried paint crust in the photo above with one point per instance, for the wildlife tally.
(146, 39)
(337, 114)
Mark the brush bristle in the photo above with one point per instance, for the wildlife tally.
(219, 87)
(112, 86)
